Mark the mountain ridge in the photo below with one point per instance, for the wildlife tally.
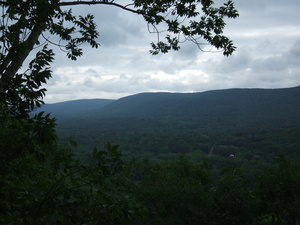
(237, 121)
(282, 105)
(227, 102)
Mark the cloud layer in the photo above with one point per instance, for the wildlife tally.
(267, 35)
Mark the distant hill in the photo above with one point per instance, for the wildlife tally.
(235, 105)
(255, 103)
(252, 123)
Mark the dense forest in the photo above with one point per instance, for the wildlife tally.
(218, 157)
(167, 165)
(251, 124)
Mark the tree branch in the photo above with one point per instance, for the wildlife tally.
(93, 2)
(23, 51)
(4, 3)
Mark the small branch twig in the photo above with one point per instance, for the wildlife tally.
(93, 2)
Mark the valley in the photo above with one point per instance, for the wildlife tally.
(252, 124)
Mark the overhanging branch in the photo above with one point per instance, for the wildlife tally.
(4, 3)
(100, 3)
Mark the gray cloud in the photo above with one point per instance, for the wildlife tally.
(267, 35)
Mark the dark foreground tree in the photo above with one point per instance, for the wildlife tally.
(47, 184)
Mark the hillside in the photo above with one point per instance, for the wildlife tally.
(222, 103)
(235, 106)
(253, 123)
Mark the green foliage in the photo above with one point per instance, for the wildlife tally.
(21, 136)
(54, 187)
(183, 192)
(23, 92)
(234, 198)
(279, 192)
(206, 25)
(164, 138)
(174, 193)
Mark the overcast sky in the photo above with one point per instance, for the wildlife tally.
(267, 36)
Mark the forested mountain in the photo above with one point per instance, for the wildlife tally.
(232, 105)
(250, 123)
(279, 105)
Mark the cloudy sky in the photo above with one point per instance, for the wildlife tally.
(267, 36)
